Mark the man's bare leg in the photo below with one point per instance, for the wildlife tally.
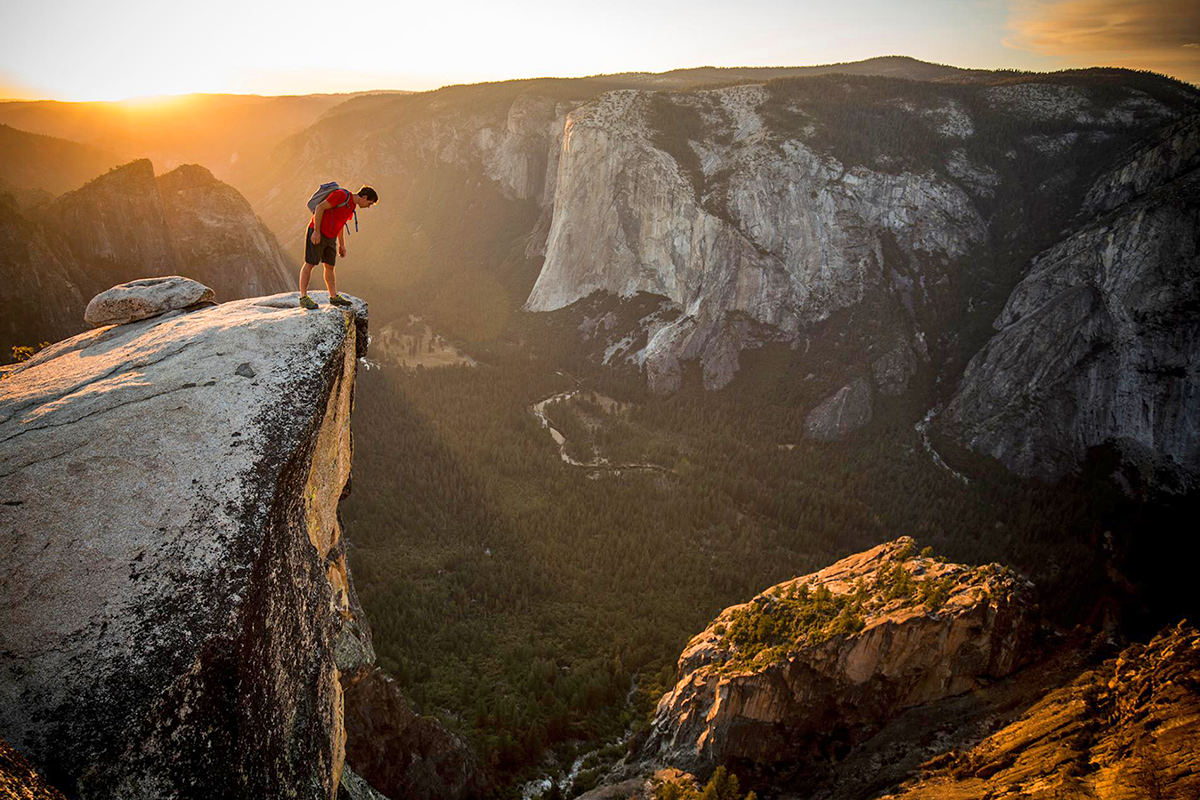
(305, 272)
(330, 281)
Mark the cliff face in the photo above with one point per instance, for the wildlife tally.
(42, 288)
(401, 753)
(179, 617)
(814, 666)
(788, 202)
(741, 219)
(1100, 342)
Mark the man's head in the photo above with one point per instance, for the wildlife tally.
(366, 197)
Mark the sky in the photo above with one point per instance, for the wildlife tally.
(116, 49)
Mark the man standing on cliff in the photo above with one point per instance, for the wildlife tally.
(327, 227)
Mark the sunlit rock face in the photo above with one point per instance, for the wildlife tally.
(1128, 729)
(1099, 344)
(18, 779)
(178, 614)
(895, 630)
(762, 226)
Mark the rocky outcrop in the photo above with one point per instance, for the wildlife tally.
(354, 787)
(145, 298)
(817, 664)
(401, 753)
(43, 289)
(172, 574)
(115, 226)
(1128, 729)
(1099, 344)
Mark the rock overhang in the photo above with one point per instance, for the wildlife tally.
(145, 470)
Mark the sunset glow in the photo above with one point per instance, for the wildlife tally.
(74, 50)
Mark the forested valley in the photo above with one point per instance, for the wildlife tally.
(537, 606)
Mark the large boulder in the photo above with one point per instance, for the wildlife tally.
(814, 665)
(145, 298)
(173, 583)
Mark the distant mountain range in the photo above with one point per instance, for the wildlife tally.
(216, 130)
(871, 218)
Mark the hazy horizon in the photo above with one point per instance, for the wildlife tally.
(131, 49)
(151, 99)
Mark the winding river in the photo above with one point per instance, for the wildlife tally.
(599, 463)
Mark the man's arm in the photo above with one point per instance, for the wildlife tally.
(322, 207)
(342, 241)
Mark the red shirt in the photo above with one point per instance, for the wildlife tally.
(334, 218)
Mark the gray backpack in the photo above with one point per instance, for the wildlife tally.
(326, 189)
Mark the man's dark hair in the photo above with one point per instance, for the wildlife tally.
(369, 193)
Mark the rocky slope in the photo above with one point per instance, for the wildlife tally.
(42, 287)
(1126, 730)
(179, 616)
(1099, 344)
(217, 236)
(115, 225)
(816, 665)
(123, 225)
(127, 224)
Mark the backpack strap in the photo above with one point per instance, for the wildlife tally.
(349, 201)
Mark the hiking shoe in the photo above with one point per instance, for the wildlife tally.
(307, 302)
(338, 300)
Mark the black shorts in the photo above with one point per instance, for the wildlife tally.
(323, 253)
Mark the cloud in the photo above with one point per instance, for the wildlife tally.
(1162, 35)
